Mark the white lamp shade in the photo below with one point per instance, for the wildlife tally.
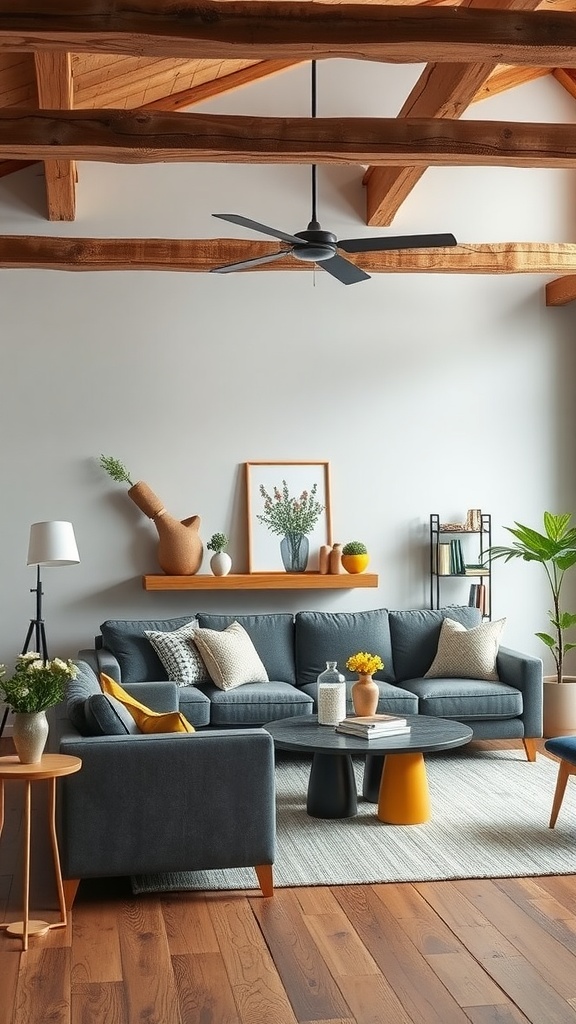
(52, 544)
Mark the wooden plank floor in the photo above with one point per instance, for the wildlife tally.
(466, 952)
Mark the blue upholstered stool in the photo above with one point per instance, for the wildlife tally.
(563, 747)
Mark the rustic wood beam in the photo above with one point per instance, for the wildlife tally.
(276, 29)
(562, 291)
(202, 255)
(136, 137)
(441, 91)
(567, 78)
(55, 89)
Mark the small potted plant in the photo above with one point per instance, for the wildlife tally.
(220, 563)
(355, 556)
(35, 686)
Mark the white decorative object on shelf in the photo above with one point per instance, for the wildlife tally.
(220, 563)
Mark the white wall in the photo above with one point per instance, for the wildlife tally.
(427, 393)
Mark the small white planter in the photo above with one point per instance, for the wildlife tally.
(220, 563)
(559, 706)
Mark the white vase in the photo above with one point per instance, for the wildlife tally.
(220, 563)
(30, 732)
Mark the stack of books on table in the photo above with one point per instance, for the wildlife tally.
(371, 727)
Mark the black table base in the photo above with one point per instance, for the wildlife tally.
(372, 776)
(332, 787)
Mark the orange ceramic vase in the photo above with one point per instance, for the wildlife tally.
(365, 694)
(179, 546)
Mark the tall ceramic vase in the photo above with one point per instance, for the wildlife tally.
(30, 732)
(365, 694)
(179, 545)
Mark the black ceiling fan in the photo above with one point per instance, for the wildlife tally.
(320, 247)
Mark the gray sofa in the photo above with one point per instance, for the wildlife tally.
(295, 648)
(143, 804)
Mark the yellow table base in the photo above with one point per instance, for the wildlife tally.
(404, 797)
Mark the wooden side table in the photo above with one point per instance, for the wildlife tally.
(51, 767)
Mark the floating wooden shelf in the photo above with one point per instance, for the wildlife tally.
(262, 581)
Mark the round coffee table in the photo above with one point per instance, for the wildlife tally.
(395, 762)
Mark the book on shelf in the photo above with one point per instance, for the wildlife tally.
(443, 559)
(477, 597)
(371, 734)
(476, 570)
(456, 557)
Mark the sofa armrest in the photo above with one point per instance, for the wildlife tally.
(526, 674)
(169, 802)
(101, 660)
(161, 696)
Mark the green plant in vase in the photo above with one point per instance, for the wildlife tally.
(220, 563)
(292, 518)
(355, 556)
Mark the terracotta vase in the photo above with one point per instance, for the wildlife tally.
(179, 546)
(365, 695)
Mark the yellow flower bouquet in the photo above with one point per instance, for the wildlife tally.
(364, 663)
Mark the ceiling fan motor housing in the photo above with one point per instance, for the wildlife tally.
(318, 245)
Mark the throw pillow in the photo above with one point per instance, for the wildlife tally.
(178, 654)
(106, 716)
(230, 656)
(146, 719)
(467, 653)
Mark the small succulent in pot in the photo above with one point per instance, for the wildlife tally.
(218, 542)
(355, 556)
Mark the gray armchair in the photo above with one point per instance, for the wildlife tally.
(143, 804)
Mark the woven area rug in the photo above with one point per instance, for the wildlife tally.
(490, 819)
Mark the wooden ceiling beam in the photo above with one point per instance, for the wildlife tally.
(444, 90)
(55, 89)
(276, 29)
(562, 291)
(567, 78)
(202, 255)
(135, 137)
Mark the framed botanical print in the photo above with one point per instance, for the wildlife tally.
(288, 513)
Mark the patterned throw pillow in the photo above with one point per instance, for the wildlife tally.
(179, 656)
(230, 656)
(467, 653)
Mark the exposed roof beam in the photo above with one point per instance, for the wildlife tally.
(55, 89)
(567, 78)
(201, 255)
(275, 29)
(562, 291)
(118, 136)
(441, 91)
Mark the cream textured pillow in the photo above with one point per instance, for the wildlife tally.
(467, 653)
(178, 654)
(230, 656)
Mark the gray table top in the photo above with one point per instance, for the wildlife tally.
(302, 732)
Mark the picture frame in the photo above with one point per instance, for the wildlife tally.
(264, 545)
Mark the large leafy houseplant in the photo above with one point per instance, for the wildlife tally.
(555, 551)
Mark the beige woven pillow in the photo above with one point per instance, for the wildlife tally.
(230, 656)
(467, 653)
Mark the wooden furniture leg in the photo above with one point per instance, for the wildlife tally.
(70, 886)
(265, 877)
(565, 770)
(530, 748)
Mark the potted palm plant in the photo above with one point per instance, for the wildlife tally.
(555, 551)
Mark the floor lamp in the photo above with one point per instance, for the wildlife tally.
(50, 543)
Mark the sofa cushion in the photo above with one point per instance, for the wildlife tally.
(127, 640)
(230, 656)
(334, 636)
(148, 721)
(467, 653)
(466, 699)
(78, 690)
(194, 703)
(415, 636)
(254, 704)
(272, 635)
(106, 716)
(179, 655)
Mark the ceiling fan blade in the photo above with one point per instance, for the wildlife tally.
(246, 264)
(343, 270)
(245, 222)
(398, 242)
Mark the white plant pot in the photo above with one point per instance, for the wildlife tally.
(220, 563)
(559, 706)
